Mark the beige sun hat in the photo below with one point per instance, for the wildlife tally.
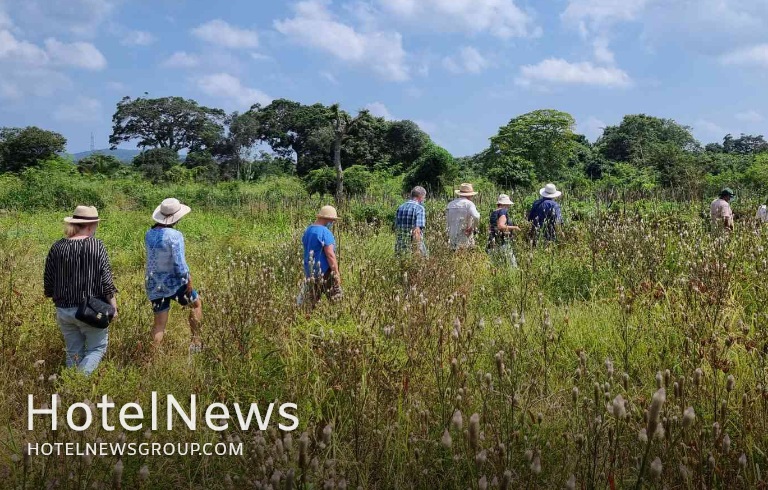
(170, 211)
(328, 212)
(83, 215)
(504, 200)
(550, 191)
(466, 190)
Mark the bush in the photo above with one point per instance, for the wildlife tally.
(154, 163)
(99, 164)
(323, 180)
(434, 170)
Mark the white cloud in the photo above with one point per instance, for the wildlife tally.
(602, 52)
(261, 57)
(78, 54)
(598, 13)
(314, 26)
(81, 110)
(330, 77)
(221, 33)
(592, 128)
(32, 81)
(500, 18)
(181, 59)
(138, 38)
(559, 71)
(756, 55)
(5, 20)
(750, 116)
(468, 60)
(226, 86)
(117, 86)
(379, 110)
(82, 18)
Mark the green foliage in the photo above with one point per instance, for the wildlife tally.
(99, 164)
(434, 170)
(168, 122)
(323, 180)
(406, 142)
(542, 141)
(204, 166)
(638, 135)
(510, 171)
(24, 147)
(154, 163)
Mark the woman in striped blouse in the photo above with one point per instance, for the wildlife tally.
(78, 268)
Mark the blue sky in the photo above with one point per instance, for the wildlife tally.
(459, 68)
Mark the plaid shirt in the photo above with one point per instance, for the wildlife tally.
(410, 215)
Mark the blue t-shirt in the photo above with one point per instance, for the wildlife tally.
(315, 238)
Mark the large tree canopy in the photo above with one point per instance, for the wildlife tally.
(169, 122)
(23, 147)
(538, 143)
(638, 136)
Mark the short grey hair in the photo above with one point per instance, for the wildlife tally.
(418, 191)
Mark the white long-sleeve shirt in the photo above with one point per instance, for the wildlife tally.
(762, 213)
(462, 215)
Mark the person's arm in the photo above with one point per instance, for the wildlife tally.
(501, 224)
(421, 221)
(180, 261)
(330, 254)
(107, 278)
(49, 275)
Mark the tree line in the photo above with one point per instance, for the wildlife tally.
(337, 152)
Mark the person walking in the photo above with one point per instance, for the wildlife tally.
(501, 228)
(545, 215)
(463, 218)
(168, 277)
(321, 268)
(762, 212)
(720, 213)
(77, 268)
(410, 220)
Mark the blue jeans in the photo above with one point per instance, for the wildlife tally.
(86, 345)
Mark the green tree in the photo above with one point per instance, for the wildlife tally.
(405, 143)
(544, 138)
(168, 122)
(24, 147)
(635, 138)
(97, 163)
(155, 163)
(746, 144)
(203, 165)
(435, 169)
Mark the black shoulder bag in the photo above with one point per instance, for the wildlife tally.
(93, 311)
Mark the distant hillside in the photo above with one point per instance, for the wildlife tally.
(121, 154)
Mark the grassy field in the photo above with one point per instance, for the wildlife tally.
(443, 373)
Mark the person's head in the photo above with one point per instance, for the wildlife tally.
(503, 201)
(170, 212)
(466, 191)
(727, 194)
(83, 222)
(327, 216)
(418, 193)
(550, 191)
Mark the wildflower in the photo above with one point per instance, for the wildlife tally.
(656, 468)
(571, 483)
(685, 473)
(729, 383)
(743, 460)
(657, 402)
(144, 473)
(625, 381)
(456, 421)
(716, 430)
(726, 443)
(697, 375)
(575, 394)
(327, 434)
(39, 363)
(659, 380)
(228, 482)
(474, 430)
(500, 363)
(529, 455)
(482, 484)
(481, 457)
(303, 450)
(619, 407)
(536, 464)
(446, 439)
(117, 474)
(506, 481)
(689, 416)
(609, 368)
(52, 378)
(643, 435)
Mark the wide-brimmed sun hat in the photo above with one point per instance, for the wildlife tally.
(466, 190)
(504, 200)
(328, 212)
(83, 215)
(170, 211)
(550, 191)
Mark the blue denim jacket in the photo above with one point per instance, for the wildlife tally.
(167, 268)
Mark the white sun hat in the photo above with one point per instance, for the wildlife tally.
(504, 199)
(170, 211)
(83, 215)
(550, 191)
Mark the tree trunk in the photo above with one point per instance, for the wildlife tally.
(337, 164)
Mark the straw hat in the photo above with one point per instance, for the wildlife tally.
(83, 215)
(170, 211)
(466, 190)
(550, 191)
(504, 200)
(328, 212)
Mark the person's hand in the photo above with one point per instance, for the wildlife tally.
(468, 231)
(189, 285)
(114, 317)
